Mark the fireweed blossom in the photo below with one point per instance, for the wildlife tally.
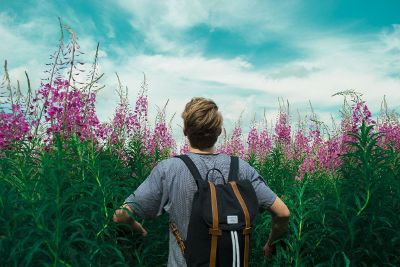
(258, 144)
(390, 134)
(184, 148)
(120, 126)
(307, 166)
(325, 155)
(265, 144)
(360, 114)
(160, 140)
(69, 112)
(328, 154)
(282, 129)
(13, 126)
(234, 145)
(128, 124)
(252, 142)
(302, 141)
(301, 146)
(316, 153)
(140, 113)
(305, 150)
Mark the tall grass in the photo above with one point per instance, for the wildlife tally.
(350, 219)
(56, 209)
(57, 205)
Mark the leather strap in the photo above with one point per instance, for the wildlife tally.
(191, 166)
(233, 169)
(247, 230)
(214, 231)
(178, 237)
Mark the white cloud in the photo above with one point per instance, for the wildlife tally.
(20, 51)
(164, 22)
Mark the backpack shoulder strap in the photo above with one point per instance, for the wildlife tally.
(234, 169)
(191, 166)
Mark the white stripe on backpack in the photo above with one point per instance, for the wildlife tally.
(235, 250)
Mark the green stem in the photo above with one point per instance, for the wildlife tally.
(366, 203)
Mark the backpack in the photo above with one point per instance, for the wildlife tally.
(221, 220)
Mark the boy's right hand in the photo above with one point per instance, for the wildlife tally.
(137, 227)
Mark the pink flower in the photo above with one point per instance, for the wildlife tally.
(360, 114)
(282, 129)
(68, 113)
(253, 141)
(13, 126)
(258, 144)
(391, 134)
(185, 148)
(234, 146)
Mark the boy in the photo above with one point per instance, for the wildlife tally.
(170, 186)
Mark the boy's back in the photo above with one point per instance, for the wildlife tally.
(170, 187)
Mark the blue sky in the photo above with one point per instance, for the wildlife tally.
(243, 54)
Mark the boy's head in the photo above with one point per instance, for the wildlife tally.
(202, 122)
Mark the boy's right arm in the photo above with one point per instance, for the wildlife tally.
(280, 220)
(147, 201)
(121, 215)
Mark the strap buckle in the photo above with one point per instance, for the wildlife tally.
(247, 231)
(215, 231)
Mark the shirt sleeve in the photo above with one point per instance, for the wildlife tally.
(149, 199)
(265, 195)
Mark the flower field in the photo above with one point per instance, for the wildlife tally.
(63, 172)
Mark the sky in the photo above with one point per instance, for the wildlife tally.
(245, 55)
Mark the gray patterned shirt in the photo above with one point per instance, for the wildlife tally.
(170, 187)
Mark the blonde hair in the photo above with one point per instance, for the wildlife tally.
(202, 122)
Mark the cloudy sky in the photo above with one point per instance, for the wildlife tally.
(243, 54)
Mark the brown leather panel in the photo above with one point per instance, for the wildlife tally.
(214, 206)
(247, 230)
(246, 250)
(213, 252)
(214, 231)
(242, 203)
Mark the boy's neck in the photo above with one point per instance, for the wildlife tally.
(210, 150)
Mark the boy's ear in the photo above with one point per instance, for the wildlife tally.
(219, 131)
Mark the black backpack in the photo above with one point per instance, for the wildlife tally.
(221, 220)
